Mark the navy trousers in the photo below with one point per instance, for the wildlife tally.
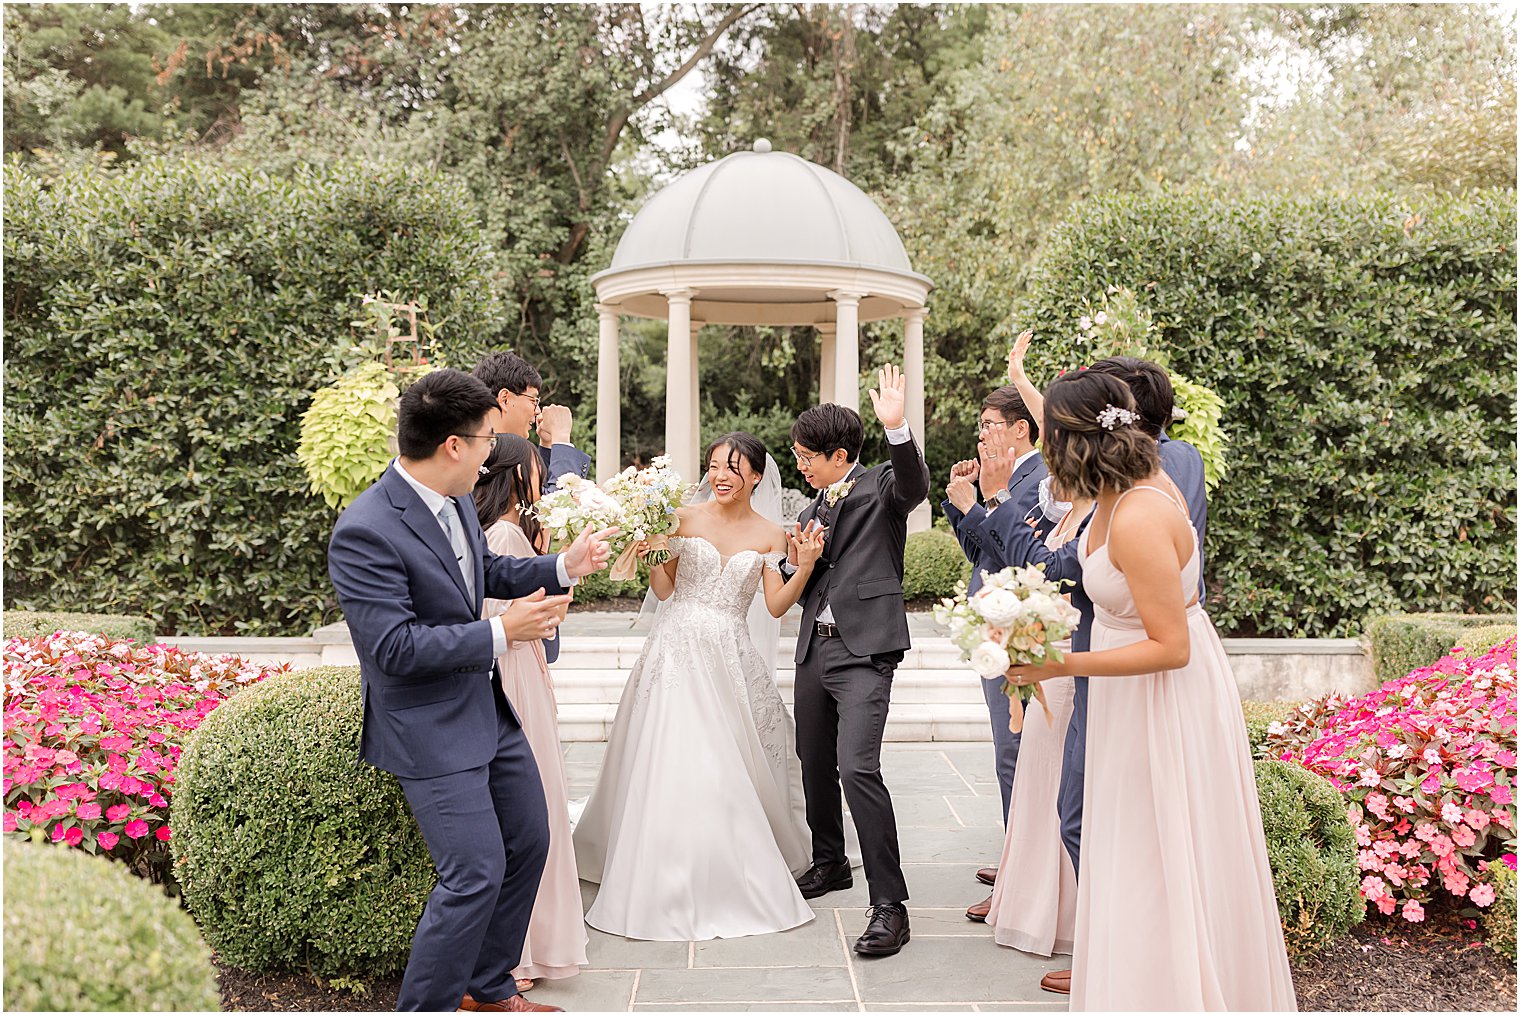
(1005, 745)
(1073, 762)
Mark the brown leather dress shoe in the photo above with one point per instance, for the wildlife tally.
(979, 911)
(987, 875)
(1057, 982)
(514, 1003)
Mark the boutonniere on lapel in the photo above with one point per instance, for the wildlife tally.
(837, 492)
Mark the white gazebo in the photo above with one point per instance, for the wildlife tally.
(756, 238)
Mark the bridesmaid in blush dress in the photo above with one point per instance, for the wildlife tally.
(556, 943)
(1175, 907)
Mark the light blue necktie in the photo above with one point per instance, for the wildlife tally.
(450, 522)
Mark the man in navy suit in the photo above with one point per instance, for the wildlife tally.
(410, 565)
(516, 383)
(1008, 471)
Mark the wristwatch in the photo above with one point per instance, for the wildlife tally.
(998, 499)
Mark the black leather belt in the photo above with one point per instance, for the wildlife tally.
(826, 630)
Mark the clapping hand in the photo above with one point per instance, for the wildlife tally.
(554, 424)
(1016, 357)
(534, 617)
(804, 547)
(997, 461)
(890, 396)
(590, 552)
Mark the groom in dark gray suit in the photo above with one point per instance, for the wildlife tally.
(410, 565)
(854, 633)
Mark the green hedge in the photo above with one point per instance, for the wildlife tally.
(1365, 351)
(1499, 918)
(29, 624)
(1312, 849)
(166, 326)
(1403, 642)
(291, 853)
(932, 564)
(1477, 641)
(1260, 715)
(84, 934)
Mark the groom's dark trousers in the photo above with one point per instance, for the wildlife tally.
(435, 716)
(844, 675)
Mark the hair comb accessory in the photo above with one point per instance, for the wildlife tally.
(1113, 416)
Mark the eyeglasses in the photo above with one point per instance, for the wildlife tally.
(489, 438)
(531, 398)
(987, 425)
(805, 460)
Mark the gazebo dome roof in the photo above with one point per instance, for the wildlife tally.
(761, 207)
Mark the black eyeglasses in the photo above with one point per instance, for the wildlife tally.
(806, 460)
(489, 438)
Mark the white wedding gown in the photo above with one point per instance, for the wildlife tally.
(695, 827)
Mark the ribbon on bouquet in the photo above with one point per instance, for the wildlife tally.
(626, 567)
(1016, 707)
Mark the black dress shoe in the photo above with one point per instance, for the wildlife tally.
(823, 878)
(887, 931)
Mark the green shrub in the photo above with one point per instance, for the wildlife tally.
(1364, 347)
(1260, 715)
(30, 624)
(1312, 849)
(1404, 642)
(290, 852)
(1477, 641)
(166, 327)
(1499, 918)
(932, 563)
(85, 934)
(598, 586)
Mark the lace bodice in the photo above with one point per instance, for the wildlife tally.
(705, 577)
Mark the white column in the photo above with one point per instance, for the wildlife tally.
(827, 351)
(695, 441)
(678, 384)
(913, 370)
(609, 396)
(847, 348)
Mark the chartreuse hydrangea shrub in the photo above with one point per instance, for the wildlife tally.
(933, 563)
(84, 934)
(289, 851)
(31, 624)
(93, 733)
(1364, 350)
(1312, 851)
(1426, 765)
(166, 326)
(1402, 641)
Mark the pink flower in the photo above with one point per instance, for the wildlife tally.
(1508, 859)
(1463, 836)
(1471, 780)
(1451, 813)
(136, 829)
(118, 812)
(1385, 904)
(163, 833)
(107, 840)
(1482, 895)
(1369, 778)
(88, 811)
(73, 836)
(1363, 835)
(10, 821)
(1413, 911)
(1432, 783)
(1501, 795)
(1476, 818)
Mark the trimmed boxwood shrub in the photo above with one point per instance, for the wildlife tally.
(166, 327)
(598, 585)
(932, 563)
(85, 934)
(1405, 642)
(1260, 715)
(1477, 641)
(1312, 849)
(30, 624)
(1364, 347)
(1499, 918)
(290, 852)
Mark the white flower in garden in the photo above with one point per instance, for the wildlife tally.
(1101, 318)
(989, 660)
(998, 606)
(1084, 322)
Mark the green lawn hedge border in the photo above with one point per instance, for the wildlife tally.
(83, 933)
(36, 624)
(1402, 642)
(165, 327)
(1365, 350)
(1499, 918)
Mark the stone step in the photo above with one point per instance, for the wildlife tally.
(588, 686)
(906, 722)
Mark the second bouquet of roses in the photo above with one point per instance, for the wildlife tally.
(649, 498)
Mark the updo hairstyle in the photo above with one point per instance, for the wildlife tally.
(1083, 456)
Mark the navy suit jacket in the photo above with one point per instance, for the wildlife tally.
(980, 531)
(560, 460)
(1182, 462)
(425, 656)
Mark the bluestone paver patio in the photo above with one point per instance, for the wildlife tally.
(948, 823)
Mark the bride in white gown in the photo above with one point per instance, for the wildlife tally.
(695, 826)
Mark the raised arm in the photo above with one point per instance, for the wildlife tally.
(805, 547)
(908, 486)
(1016, 375)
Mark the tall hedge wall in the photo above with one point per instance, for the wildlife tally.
(165, 329)
(1365, 351)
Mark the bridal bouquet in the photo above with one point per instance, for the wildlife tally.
(648, 499)
(1016, 617)
(576, 505)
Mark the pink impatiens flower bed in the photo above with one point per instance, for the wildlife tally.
(93, 729)
(1427, 765)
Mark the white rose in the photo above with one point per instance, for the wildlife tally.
(559, 518)
(998, 607)
(989, 660)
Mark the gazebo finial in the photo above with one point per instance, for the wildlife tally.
(762, 145)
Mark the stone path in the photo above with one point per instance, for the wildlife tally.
(948, 823)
